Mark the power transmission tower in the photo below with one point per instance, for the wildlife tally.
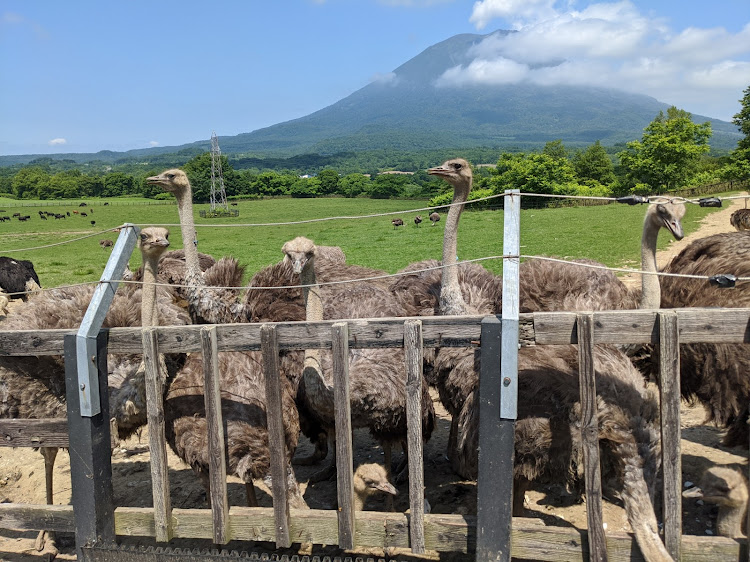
(218, 194)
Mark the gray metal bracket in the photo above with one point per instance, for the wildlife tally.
(88, 385)
(511, 294)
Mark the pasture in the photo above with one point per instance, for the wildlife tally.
(609, 233)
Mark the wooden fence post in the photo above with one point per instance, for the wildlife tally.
(669, 388)
(90, 454)
(414, 366)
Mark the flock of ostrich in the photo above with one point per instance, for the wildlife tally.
(548, 446)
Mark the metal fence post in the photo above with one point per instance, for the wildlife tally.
(498, 393)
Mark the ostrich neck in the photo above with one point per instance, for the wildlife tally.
(451, 300)
(650, 287)
(318, 392)
(359, 499)
(729, 521)
(193, 274)
(149, 316)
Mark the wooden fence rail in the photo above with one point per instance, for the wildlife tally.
(416, 531)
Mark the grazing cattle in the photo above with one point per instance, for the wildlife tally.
(93, 223)
(84, 214)
(83, 205)
(106, 203)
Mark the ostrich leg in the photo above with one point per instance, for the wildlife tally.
(45, 540)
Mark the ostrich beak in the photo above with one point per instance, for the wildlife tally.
(154, 179)
(386, 487)
(675, 227)
(439, 171)
(693, 492)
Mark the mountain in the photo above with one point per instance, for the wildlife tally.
(408, 111)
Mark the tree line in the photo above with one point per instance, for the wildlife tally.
(672, 153)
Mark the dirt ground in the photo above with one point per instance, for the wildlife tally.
(22, 472)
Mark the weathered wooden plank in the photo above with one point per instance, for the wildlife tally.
(25, 517)
(669, 387)
(217, 464)
(443, 533)
(343, 420)
(276, 441)
(156, 438)
(414, 365)
(590, 436)
(34, 433)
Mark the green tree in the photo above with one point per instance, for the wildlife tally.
(352, 185)
(306, 187)
(117, 183)
(594, 164)
(738, 167)
(29, 182)
(533, 173)
(555, 149)
(668, 154)
(329, 181)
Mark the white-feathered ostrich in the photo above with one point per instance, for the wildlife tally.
(34, 387)
(726, 488)
(17, 277)
(377, 380)
(548, 447)
(210, 306)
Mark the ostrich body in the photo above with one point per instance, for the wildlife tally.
(106, 243)
(396, 223)
(17, 276)
(434, 217)
(727, 488)
(714, 374)
(210, 306)
(377, 383)
(740, 219)
(547, 434)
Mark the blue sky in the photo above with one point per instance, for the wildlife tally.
(83, 76)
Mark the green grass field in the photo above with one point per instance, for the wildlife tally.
(609, 234)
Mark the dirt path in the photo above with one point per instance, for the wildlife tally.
(22, 471)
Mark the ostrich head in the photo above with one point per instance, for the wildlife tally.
(457, 172)
(299, 252)
(153, 241)
(370, 479)
(727, 488)
(173, 180)
(667, 215)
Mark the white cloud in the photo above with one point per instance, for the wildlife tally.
(387, 78)
(609, 44)
(57, 142)
(153, 143)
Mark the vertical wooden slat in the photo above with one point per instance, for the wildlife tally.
(343, 418)
(217, 471)
(276, 442)
(414, 364)
(496, 452)
(90, 456)
(590, 437)
(156, 440)
(669, 387)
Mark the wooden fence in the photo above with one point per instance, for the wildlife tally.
(97, 523)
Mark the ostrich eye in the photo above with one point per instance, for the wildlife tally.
(457, 166)
(170, 176)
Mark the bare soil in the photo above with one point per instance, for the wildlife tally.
(22, 473)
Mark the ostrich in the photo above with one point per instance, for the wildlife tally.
(417, 220)
(377, 387)
(713, 374)
(33, 387)
(17, 277)
(4, 300)
(434, 217)
(396, 223)
(547, 433)
(211, 306)
(370, 479)
(105, 243)
(727, 488)
(740, 219)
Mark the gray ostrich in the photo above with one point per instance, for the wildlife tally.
(434, 217)
(209, 306)
(33, 387)
(547, 435)
(377, 381)
(740, 219)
